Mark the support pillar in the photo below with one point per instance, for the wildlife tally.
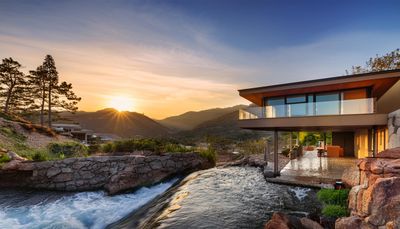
(291, 140)
(374, 141)
(276, 167)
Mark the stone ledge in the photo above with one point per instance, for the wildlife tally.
(111, 173)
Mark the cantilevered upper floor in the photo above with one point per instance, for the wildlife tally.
(342, 102)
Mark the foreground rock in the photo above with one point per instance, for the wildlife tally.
(111, 173)
(375, 199)
(280, 220)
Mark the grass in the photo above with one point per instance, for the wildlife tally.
(9, 132)
(210, 154)
(4, 159)
(334, 201)
(335, 211)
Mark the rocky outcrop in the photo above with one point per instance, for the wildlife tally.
(394, 129)
(280, 220)
(111, 173)
(375, 200)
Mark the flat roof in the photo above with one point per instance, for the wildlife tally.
(379, 82)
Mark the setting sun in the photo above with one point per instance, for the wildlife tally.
(121, 103)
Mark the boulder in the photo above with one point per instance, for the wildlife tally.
(280, 220)
(14, 156)
(352, 222)
(384, 201)
(351, 176)
(393, 153)
(310, 224)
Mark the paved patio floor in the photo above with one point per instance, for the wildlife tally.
(311, 169)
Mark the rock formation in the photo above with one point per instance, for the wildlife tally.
(280, 220)
(375, 201)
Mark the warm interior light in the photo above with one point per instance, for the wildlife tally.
(121, 103)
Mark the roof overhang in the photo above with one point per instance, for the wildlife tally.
(379, 82)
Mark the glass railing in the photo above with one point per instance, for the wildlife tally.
(342, 107)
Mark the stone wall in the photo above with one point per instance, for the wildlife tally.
(394, 129)
(111, 173)
(374, 200)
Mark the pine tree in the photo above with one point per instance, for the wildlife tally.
(13, 85)
(57, 96)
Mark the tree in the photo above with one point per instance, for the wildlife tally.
(13, 84)
(57, 96)
(389, 61)
(38, 81)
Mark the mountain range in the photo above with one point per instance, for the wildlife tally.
(124, 124)
(192, 126)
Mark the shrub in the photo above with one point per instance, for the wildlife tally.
(68, 149)
(210, 154)
(94, 148)
(4, 158)
(107, 147)
(331, 196)
(154, 145)
(335, 211)
(40, 156)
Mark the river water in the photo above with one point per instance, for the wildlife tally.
(234, 197)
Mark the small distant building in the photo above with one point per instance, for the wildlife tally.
(73, 130)
(106, 137)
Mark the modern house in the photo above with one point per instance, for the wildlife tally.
(354, 108)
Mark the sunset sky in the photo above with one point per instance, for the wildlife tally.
(168, 57)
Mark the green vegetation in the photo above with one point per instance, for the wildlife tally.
(68, 149)
(9, 132)
(335, 211)
(334, 201)
(252, 146)
(150, 144)
(331, 196)
(210, 154)
(4, 158)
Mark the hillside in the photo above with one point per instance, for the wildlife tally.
(191, 119)
(225, 126)
(20, 136)
(124, 124)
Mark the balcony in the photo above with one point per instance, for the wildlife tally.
(338, 107)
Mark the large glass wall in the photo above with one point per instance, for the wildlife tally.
(327, 104)
(354, 101)
(297, 105)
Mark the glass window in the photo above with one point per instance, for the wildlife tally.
(296, 99)
(327, 104)
(276, 107)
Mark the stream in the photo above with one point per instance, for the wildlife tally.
(233, 197)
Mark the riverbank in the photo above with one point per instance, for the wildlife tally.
(113, 174)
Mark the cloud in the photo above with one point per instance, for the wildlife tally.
(168, 62)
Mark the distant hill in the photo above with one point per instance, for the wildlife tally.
(192, 119)
(124, 124)
(225, 126)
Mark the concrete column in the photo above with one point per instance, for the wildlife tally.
(375, 141)
(291, 140)
(276, 167)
